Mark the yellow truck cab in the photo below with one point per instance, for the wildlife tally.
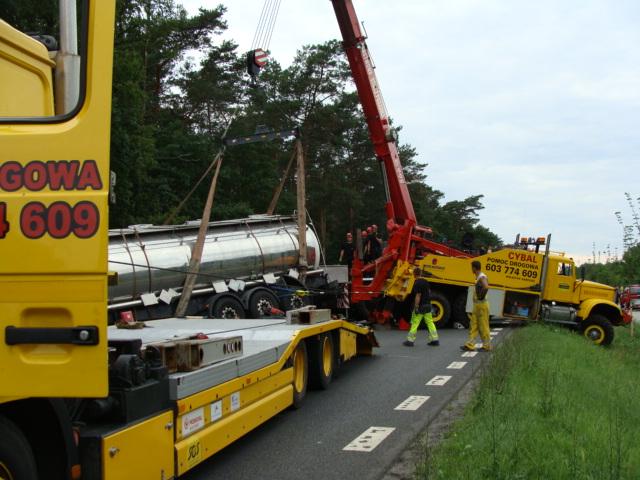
(525, 285)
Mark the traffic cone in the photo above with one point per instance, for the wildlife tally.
(403, 325)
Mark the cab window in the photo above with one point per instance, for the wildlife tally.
(41, 65)
(564, 269)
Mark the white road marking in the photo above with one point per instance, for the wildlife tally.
(457, 365)
(469, 354)
(414, 402)
(497, 329)
(439, 380)
(369, 439)
(493, 334)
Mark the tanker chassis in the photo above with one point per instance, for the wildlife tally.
(249, 269)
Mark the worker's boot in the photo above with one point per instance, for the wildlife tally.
(407, 343)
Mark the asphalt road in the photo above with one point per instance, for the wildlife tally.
(309, 443)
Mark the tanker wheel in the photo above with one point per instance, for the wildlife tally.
(459, 316)
(261, 302)
(16, 457)
(228, 308)
(440, 309)
(294, 302)
(598, 329)
(300, 374)
(322, 361)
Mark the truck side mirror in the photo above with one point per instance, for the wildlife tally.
(583, 272)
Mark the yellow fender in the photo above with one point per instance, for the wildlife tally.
(588, 305)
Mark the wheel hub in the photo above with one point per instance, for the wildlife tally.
(264, 306)
(298, 369)
(327, 357)
(229, 313)
(296, 302)
(594, 334)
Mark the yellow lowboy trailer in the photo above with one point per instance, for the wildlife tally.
(262, 367)
(78, 399)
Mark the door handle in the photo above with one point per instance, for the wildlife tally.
(82, 336)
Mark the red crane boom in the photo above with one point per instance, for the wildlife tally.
(399, 205)
(406, 239)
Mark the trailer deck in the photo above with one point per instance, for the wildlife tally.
(264, 342)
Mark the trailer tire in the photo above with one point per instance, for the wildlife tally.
(322, 361)
(261, 302)
(598, 329)
(460, 317)
(440, 308)
(16, 456)
(226, 307)
(300, 363)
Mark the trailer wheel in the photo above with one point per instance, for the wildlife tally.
(322, 361)
(598, 329)
(16, 457)
(440, 308)
(460, 317)
(261, 302)
(227, 307)
(300, 374)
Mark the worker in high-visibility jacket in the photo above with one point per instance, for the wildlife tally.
(421, 311)
(480, 314)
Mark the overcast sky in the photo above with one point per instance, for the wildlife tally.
(536, 105)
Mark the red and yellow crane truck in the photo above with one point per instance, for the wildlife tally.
(520, 279)
(78, 398)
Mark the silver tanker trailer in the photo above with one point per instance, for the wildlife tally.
(248, 266)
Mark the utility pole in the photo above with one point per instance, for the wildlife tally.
(302, 211)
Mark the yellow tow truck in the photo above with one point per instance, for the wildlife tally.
(525, 285)
(79, 399)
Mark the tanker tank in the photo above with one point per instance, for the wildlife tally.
(149, 259)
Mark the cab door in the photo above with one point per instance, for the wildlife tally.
(560, 282)
(54, 170)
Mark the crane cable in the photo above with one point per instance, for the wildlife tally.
(263, 34)
(266, 24)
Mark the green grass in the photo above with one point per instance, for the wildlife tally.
(550, 406)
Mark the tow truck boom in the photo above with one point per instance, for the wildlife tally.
(399, 205)
(407, 240)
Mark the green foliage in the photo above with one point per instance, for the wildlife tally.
(150, 140)
(171, 106)
(551, 405)
(619, 273)
(31, 16)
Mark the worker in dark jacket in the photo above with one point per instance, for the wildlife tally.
(375, 243)
(421, 299)
(365, 246)
(346, 252)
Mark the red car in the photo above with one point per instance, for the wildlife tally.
(630, 297)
